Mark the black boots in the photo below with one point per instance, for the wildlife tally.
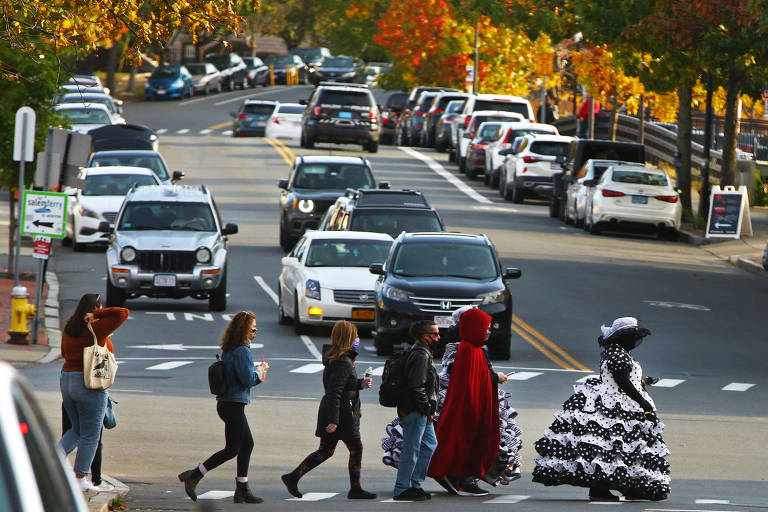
(243, 494)
(359, 494)
(190, 479)
(606, 495)
(292, 484)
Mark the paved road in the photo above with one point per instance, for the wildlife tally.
(706, 318)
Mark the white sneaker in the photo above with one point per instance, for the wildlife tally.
(105, 486)
(87, 486)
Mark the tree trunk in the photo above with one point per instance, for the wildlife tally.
(731, 127)
(132, 78)
(684, 129)
(111, 66)
(614, 118)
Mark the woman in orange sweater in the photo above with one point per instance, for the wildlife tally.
(85, 407)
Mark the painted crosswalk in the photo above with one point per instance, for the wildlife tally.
(169, 365)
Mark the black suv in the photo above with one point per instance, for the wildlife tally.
(428, 276)
(343, 114)
(382, 211)
(234, 71)
(313, 185)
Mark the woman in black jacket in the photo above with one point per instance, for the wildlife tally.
(338, 418)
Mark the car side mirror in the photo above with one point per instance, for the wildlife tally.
(384, 185)
(512, 273)
(229, 229)
(302, 102)
(376, 268)
(589, 183)
(177, 176)
(104, 227)
(560, 159)
(283, 184)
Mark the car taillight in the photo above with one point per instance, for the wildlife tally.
(242, 116)
(437, 111)
(612, 193)
(317, 110)
(481, 145)
(374, 113)
(531, 159)
(276, 120)
(384, 116)
(667, 199)
(420, 113)
(466, 122)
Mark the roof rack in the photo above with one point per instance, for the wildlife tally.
(341, 84)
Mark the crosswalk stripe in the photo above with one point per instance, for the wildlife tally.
(737, 386)
(314, 496)
(215, 495)
(182, 131)
(712, 502)
(584, 379)
(227, 132)
(169, 365)
(161, 130)
(668, 383)
(377, 372)
(309, 368)
(205, 132)
(507, 498)
(523, 375)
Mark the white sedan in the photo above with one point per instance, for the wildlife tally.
(285, 122)
(634, 196)
(84, 118)
(325, 278)
(99, 201)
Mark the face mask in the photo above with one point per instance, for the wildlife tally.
(355, 343)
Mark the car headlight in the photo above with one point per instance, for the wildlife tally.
(492, 297)
(178, 83)
(312, 289)
(85, 212)
(128, 254)
(306, 205)
(203, 255)
(349, 73)
(393, 293)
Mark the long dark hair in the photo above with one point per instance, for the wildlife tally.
(76, 323)
(342, 337)
(236, 333)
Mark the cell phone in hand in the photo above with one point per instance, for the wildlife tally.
(650, 381)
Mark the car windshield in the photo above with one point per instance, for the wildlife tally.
(445, 259)
(548, 148)
(252, 62)
(505, 106)
(99, 100)
(639, 178)
(338, 62)
(86, 116)
(396, 101)
(165, 72)
(333, 176)
(259, 110)
(147, 161)
(177, 216)
(336, 97)
(393, 221)
(309, 53)
(220, 61)
(279, 60)
(196, 69)
(115, 184)
(488, 130)
(347, 253)
(455, 107)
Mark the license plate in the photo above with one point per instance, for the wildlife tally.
(160, 92)
(443, 322)
(363, 314)
(345, 115)
(165, 280)
(639, 200)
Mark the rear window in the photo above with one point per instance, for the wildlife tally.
(504, 106)
(426, 101)
(488, 130)
(550, 148)
(333, 177)
(196, 69)
(291, 109)
(454, 107)
(344, 98)
(393, 221)
(338, 62)
(396, 101)
(220, 61)
(261, 110)
(115, 184)
(445, 100)
(153, 162)
(86, 116)
(640, 178)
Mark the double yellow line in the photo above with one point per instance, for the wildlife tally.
(284, 150)
(544, 345)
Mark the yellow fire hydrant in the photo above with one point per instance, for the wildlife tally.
(21, 310)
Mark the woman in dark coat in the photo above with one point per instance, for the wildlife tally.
(338, 418)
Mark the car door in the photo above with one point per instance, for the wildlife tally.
(289, 276)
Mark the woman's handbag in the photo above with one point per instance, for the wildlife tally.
(110, 420)
(99, 364)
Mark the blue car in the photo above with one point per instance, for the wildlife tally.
(169, 82)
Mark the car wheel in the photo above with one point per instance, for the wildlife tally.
(486, 178)
(66, 242)
(77, 247)
(594, 227)
(282, 318)
(373, 147)
(298, 327)
(451, 155)
(115, 296)
(309, 142)
(462, 164)
(577, 221)
(503, 185)
(669, 234)
(383, 345)
(554, 207)
(285, 240)
(495, 180)
(517, 194)
(562, 215)
(217, 299)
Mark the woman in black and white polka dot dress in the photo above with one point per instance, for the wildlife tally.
(607, 436)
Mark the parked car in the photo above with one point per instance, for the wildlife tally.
(85, 80)
(83, 118)
(390, 114)
(169, 82)
(114, 106)
(341, 69)
(257, 71)
(124, 136)
(474, 121)
(205, 77)
(409, 126)
(34, 475)
(82, 89)
(99, 200)
(313, 185)
(312, 57)
(285, 121)
(478, 146)
(634, 197)
(233, 70)
(170, 242)
(765, 257)
(146, 159)
(501, 146)
(434, 113)
(528, 172)
(325, 278)
(251, 118)
(427, 276)
(389, 211)
(341, 114)
(282, 63)
(372, 75)
(444, 123)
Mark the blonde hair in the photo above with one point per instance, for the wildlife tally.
(342, 337)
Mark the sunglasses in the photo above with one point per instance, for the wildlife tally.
(254, 330)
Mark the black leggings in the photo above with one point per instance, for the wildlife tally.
(237, 437)
(66, 424)
(327, 447)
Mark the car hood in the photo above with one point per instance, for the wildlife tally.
(335, 70)
(101, 203)
(167, 240)
(82, 128)
(163, 81)
(341, 278)
(445, 286)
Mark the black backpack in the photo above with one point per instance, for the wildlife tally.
(217, 380)
(393, 379)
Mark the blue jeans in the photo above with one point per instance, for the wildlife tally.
(85, 408)
(419, 443)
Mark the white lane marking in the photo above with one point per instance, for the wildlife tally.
(584, 379)
(523, 375)
(206, 131)
(309, 368)
(668, 383)
(169, 316)
(683, 510)
(179, 346)
(737, 386)
(678, 305)
(266, 288)
(182, 131)
(161, 130)
(503, 209)
(507, 498)
(311, 347)
(205, 316)
(227, 132)
(244, 97)
(170, 365)
(377, 372)
(215, 495)
(453, 180)
(314, 496)
(712, 502)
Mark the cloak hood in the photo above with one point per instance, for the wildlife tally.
(473, 326)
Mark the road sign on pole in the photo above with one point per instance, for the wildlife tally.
(24, 136)
(44, 213)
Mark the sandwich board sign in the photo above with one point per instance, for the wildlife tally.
(728, 213)
(43, 213)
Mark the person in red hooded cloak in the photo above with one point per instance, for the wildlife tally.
(468, 429)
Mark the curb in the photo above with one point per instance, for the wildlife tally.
(52, 324)
(694, 239)
(748, 265)
(100, 502)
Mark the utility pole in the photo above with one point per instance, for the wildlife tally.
(477, 59)
(704, 192)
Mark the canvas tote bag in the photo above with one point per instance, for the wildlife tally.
(99, 364)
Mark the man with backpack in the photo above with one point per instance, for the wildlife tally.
(416, 409)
